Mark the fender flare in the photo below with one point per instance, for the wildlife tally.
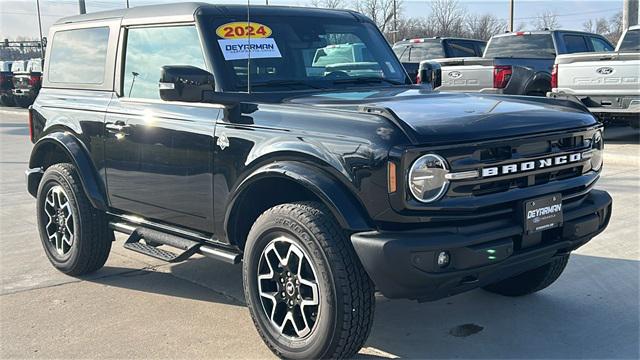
(79, 155)
(345, 207)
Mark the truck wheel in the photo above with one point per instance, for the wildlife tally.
(532, 280)
(75, 235)
(307, 292)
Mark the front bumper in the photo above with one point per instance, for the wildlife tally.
(403, 264)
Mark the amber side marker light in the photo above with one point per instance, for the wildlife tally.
(392, 181)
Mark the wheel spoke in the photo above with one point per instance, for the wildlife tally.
(284, 271)
(59, 220)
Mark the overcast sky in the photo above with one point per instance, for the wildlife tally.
(19, 17)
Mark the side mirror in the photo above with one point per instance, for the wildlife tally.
(430, 73)
(184, 83)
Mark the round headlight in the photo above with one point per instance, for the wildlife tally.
(597, 149)
(427, 180)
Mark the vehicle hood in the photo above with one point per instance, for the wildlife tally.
(429, 117)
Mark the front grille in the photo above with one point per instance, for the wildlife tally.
(492, 155)
(500, 185)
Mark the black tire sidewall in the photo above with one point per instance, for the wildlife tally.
(51, 178)
(319, 341)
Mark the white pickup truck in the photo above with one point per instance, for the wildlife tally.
(607, 83)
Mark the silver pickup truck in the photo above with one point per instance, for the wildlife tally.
(607, 83)
(517, 63)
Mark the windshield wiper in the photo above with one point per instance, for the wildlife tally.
(290, 83)
(366, 80)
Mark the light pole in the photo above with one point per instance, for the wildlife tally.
(127, 4)
(395, 21)
(40, 29)
(82, 6)
(511, 15)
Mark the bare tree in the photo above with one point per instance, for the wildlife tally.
(610, 28)
(327, 4)
(484, 26)
(380, 11)
(409, 28)
(546, 20)
(447, 17)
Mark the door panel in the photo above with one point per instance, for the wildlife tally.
(159, 160)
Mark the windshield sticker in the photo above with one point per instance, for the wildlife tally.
(243, 30)
(238, 49)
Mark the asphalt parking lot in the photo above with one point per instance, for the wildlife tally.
(137, 307)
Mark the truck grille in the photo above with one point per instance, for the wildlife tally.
(491, 155)
(499, 197)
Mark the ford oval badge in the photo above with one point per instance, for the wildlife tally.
(455, 74)
(605, 70)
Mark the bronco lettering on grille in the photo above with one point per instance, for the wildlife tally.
(531, 165)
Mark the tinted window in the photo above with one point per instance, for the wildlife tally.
(426, 50)
(79, 56)
(631, 41)
(527, 45)
(461, 48)
(149, 49)
(600, 45)
(481, 48)
(575, 43)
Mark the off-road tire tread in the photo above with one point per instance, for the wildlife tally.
(96, 237)
(531, 281)
(349, 275)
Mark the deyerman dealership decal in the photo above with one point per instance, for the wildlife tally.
(239, 39)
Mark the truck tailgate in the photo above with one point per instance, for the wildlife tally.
(467, 78)
(599, 74)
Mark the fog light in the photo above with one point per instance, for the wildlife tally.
(443, 259)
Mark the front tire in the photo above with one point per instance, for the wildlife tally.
(307, 292)
(74, 234)
(532, 280)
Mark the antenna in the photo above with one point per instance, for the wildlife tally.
(249, 46)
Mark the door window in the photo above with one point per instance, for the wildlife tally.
(600, 45)
(575, 43)
(149, 49)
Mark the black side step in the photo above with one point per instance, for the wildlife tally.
(188, 247)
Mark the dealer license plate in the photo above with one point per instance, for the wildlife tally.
(543, 213)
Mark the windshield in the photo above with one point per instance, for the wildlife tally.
(286, 53)
(631, 41)
(521, 46)
(419, 51)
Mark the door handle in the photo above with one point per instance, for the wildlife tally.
(117, 127)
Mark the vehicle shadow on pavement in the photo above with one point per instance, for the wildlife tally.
(161, 283)
(590, 312)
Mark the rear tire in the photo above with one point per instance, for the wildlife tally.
(317, 251)
(532, 280)
(74, 234)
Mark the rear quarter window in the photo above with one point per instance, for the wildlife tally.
(79, 56)
(575, 43)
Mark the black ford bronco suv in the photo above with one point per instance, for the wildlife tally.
(244, 135)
